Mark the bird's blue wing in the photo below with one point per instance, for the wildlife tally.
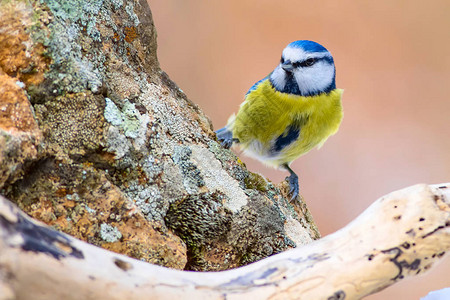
(289, 136)
(256, 84)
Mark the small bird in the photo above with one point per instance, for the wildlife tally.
(289, 112)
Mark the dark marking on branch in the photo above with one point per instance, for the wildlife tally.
(401, 264)
(125, 266)
(411, 232)
(39, 238)
(249, 279)
(315, 257)
(254, 279)
(436, 229)
(339, 295)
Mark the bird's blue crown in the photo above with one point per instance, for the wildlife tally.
(308, 46)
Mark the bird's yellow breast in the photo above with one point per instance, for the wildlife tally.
(267, 115)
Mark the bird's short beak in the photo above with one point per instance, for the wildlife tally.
(287, 66)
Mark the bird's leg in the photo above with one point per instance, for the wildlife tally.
(294, 188)
(225, 137)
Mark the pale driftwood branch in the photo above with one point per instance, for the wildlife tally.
(400, 235)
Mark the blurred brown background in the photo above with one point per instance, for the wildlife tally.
(392, 59)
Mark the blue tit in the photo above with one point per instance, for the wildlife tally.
(289, 112)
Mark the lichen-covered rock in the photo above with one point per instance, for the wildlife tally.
(19, 134)
(20, 64)
(98, 142)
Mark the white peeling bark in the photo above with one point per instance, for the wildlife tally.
(400, 235)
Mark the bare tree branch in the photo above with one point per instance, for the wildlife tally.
(401, 234)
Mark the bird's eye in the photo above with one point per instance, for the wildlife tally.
(282, 60)
(310, 61)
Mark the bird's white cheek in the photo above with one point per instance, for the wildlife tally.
(315, 79)
(278, 78)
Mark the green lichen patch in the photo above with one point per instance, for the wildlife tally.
(74, 10)
(132, 119)
(128, 131)
(71, 70)
(72, 32)
(191, 174)
(222, 154)
(117, 3)
(112, 113)
(109, 233)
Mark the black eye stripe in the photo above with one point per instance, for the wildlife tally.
(306, 63)
(311, 61)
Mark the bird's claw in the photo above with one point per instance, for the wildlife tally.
(227, 143)
(225, 137)
(294, 187)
